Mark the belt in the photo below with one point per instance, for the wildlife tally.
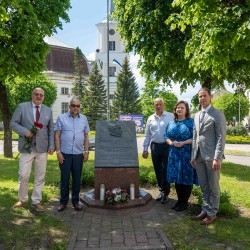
(159, 143)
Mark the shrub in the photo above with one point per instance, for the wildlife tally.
(226, 207)
(236, 130)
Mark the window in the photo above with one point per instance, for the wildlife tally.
(111, 97)
(64, 91)
(112, 45)
(112, 71)
(65, 107)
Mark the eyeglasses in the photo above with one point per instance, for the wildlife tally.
(37, 94)
(75, 105)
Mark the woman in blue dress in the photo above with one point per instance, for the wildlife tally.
(179, 134)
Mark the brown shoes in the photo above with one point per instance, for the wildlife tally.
(208, 220)
(77, 207)
(61, 207)
(38, 207)
(201, 216)
(19, 204)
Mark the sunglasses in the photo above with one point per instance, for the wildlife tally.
(37, 94)
(75, 105)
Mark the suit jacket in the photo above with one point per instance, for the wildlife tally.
(23, 120)
(209, 136)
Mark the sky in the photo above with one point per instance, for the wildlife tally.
(81, 32)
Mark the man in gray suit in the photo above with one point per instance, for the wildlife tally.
(34, 147)
(207, 153)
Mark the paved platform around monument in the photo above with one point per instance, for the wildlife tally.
(134, 228)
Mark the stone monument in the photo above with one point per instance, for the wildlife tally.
(116, 164)
(116, 156)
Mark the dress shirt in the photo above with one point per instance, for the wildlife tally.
(72, 130)
(155, 128)
(204, 114)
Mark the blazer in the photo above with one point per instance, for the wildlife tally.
(23, 120)
(209, 136)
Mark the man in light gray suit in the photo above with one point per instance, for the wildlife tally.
(27, 116)
(207, 153)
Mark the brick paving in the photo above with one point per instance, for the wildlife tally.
(132, 228)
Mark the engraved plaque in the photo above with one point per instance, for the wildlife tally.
(115, 144)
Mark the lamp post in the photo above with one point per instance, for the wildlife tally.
(108, 103)
(239, 109)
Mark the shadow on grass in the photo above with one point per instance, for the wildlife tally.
(241, 172)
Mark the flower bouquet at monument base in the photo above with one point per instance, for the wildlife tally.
(116, 196)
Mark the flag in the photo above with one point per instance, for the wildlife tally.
(116, 62)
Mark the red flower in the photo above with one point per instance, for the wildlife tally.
(29, 140)
(38, 125)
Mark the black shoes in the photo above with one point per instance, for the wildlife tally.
(176, 205)
(164, 199)
(181, 207)
(159, 197)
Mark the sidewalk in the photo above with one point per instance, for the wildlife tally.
(134, 228)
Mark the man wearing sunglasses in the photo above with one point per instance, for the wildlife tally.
(33, 122)
(72, 143)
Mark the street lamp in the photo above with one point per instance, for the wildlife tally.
(108, 104)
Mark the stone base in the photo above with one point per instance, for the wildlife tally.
(89, 200)
(116, 177)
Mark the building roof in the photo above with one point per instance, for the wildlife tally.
(61, 57)
(56, 42)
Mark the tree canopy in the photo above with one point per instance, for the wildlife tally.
(23, 26)
(127, 97)
(233, 105)
(187, 42)
(94, 102)
(79, 85)
(153, 90)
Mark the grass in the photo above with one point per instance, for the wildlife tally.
(228, 232)
(23, 228)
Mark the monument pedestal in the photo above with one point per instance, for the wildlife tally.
(116, 177)
(89, 200)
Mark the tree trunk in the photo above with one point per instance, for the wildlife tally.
(6, 115)
(207, 83)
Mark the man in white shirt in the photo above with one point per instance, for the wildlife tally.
(154, 136)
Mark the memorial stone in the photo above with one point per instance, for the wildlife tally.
(116, 156)
(116, 144)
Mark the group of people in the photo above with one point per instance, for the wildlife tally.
(187, 151)
(184, 151)
(69, 140)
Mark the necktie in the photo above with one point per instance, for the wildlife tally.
(202, 116)
(37, 113)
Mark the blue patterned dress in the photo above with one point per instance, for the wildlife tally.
(179, 169)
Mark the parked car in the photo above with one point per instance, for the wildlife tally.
(91, 143)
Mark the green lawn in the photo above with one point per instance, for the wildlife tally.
(22, 227)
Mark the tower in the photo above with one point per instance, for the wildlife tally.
(110, 52)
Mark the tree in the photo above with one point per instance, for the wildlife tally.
(222, 46)
(79, 86)
(94, 103)
(23, 26)
(20, 90)
(126, 97)
(151, 91)
(161, 33)
(233, 105)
